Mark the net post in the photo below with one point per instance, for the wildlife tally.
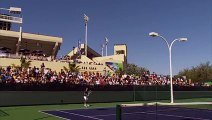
(118, 112)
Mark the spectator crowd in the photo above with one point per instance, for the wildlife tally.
(44, 75)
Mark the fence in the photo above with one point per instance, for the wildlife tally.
(40, 96)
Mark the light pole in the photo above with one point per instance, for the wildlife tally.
(106, 42)
(102, 47)
(13, 19)
(86, 35)
(154, 34)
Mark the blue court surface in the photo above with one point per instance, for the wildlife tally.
(134, 113)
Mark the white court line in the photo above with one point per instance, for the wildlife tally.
(54, 115)
(104, 115)
(186, 103)
(195, 109)
(131, 113)
(183, 117)
(170, 115)
(147, 112)
(151, 112)
(82, 108)
(169, 104)
(81, 115)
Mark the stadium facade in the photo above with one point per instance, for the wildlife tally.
(43, 49)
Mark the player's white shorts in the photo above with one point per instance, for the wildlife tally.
(85, 98)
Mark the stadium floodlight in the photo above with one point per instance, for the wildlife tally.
(154, 34)
(15, 10)
(13, 19)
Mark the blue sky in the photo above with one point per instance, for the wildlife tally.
(127, 22)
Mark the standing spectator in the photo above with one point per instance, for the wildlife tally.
(42, 68)
(8, 68)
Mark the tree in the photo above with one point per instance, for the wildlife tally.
(24, 63)
(72, 67)
(119, 72)
(132, 69)
(199, 73)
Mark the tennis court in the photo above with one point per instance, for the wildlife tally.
(136, 112)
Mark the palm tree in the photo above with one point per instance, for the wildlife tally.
(119, 72)
(24, 63)
(72, 67)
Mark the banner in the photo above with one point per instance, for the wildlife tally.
(115, 66)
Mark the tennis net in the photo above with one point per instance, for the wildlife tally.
(165, 111)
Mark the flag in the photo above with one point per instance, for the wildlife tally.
(86, 18)
(103, 45)
(106, 40)
(79, 47)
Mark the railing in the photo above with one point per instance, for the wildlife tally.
(32, 57)
(8, 18)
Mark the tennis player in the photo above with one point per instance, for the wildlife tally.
(87, 92)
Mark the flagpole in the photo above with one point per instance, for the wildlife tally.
(78, 48)
(86, 39)
(102, 51)
(106, 49)
(106, 41)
